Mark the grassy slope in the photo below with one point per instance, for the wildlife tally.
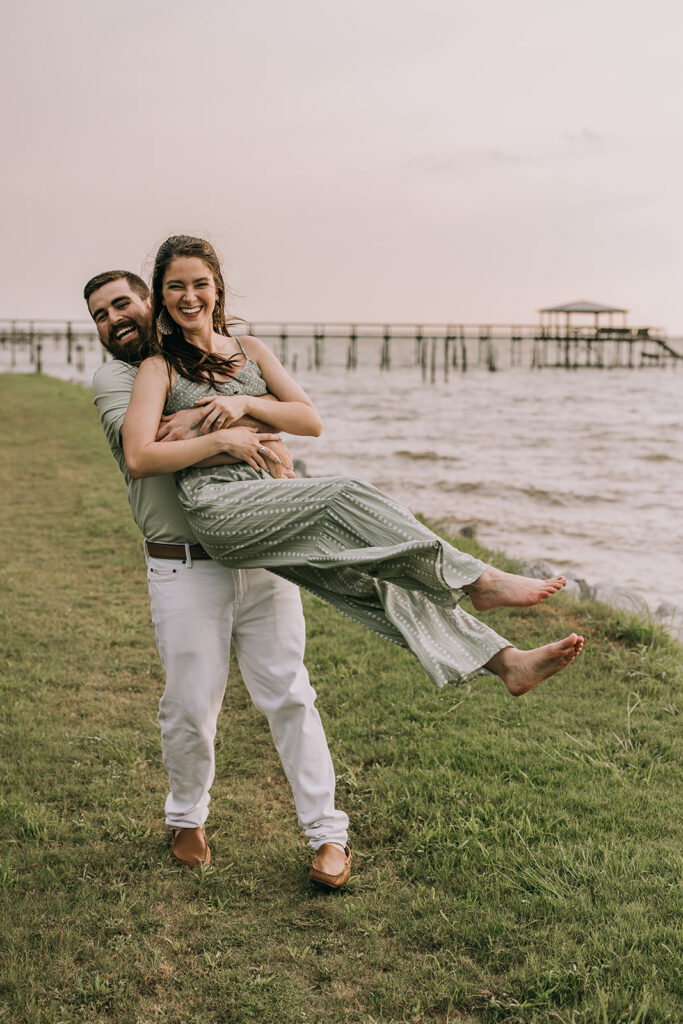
(514, 860)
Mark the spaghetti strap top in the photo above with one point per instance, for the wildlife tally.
(242, 347)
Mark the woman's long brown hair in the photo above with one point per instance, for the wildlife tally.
(181, 355)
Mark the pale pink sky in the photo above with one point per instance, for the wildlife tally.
(367, 160)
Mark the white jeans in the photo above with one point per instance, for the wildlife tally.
(195, 609)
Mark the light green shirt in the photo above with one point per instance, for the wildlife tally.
(153, 500)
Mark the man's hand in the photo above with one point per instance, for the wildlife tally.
(248, 446)
(218, 411)
(284, 470)
(181, 426)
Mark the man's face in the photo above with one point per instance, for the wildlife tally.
(123, 320)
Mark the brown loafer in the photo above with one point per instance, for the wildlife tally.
(331, 867)
(189, 846)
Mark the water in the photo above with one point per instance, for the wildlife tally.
(581, 468)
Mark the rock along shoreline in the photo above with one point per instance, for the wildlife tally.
(666, 615)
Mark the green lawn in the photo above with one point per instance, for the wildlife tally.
(514, 861)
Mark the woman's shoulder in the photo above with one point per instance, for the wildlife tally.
(252, 345)
(156, 367)
(155, 364)
(258, 352)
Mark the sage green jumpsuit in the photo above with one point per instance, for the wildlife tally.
(344, 541)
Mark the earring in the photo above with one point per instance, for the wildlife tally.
(164, 322)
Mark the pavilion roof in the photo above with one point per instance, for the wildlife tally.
(583, 306)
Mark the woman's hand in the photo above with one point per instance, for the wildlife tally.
(219, 411)
(248, 446)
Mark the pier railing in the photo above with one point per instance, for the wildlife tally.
(434, 348)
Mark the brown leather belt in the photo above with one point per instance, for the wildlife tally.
(175, 550)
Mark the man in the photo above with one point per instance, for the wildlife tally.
(198, 604)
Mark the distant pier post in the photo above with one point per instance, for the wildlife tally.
(69, 342)
(352, 351)
(318, 347)
(484, 349)
(385, 353)
(453, 338)
(515, 339)
(283, 344)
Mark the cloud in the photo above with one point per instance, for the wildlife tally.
(585, 137)
(462, 165)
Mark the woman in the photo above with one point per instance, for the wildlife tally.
(338, 537)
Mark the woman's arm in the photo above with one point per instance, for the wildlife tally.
(294, 412)
(147, 457)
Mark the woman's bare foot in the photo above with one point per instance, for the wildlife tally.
(497, 589)
(522, 670)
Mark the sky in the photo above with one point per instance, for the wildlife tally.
(365, 160)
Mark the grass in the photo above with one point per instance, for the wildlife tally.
(515, 861)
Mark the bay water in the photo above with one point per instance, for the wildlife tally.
(581, 468)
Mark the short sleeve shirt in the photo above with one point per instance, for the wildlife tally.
(153, 501)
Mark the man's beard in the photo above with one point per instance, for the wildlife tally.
(132, 351)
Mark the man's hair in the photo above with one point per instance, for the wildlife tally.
(135, 283)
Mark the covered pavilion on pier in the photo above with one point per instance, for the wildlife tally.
(554, 318)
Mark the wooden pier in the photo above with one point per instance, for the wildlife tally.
(437, 350)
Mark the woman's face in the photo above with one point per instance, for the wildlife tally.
(189, 292)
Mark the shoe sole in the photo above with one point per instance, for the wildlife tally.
(330, 882)
(193, 863)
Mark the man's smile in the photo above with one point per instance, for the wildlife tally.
(123, 332)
